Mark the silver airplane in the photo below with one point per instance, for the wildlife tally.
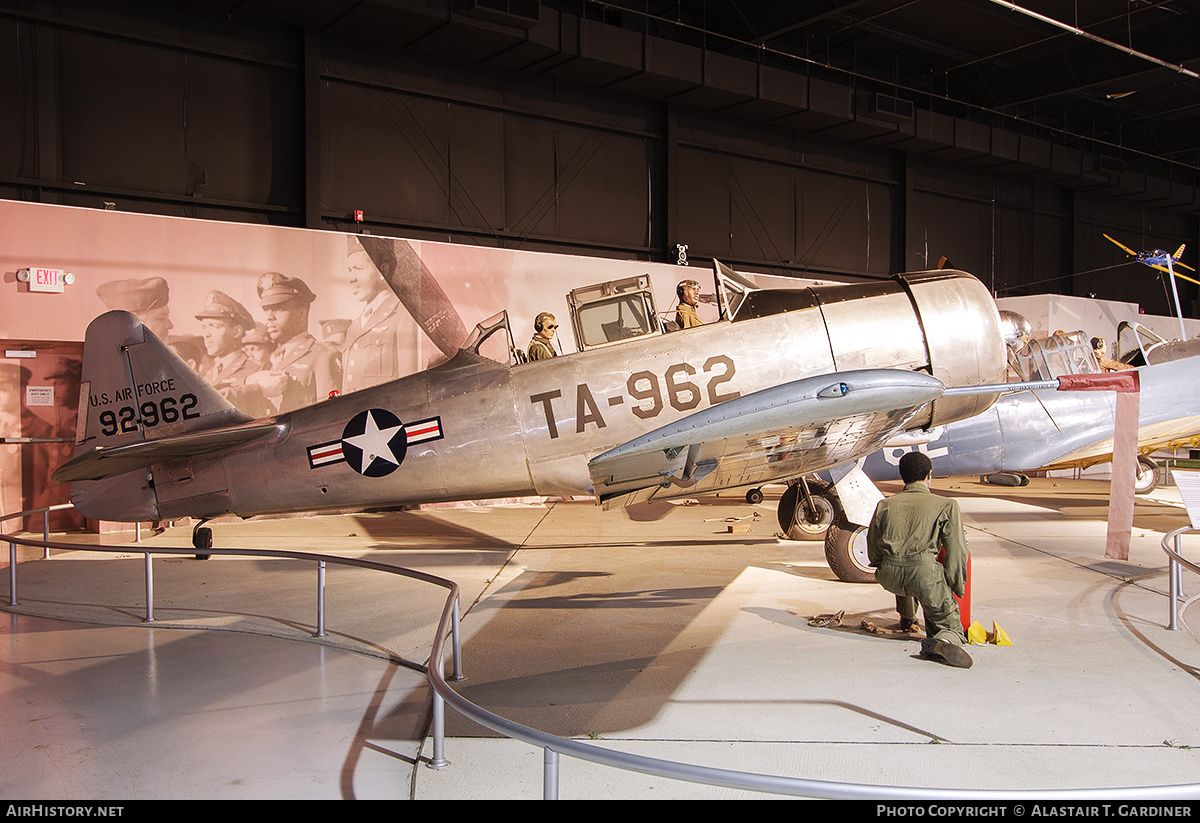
(1024, 431)
(784, 384)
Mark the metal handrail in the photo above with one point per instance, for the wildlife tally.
(553, 746)
(1175, 564)
(319, 559)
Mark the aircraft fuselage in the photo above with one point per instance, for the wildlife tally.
(474, 428)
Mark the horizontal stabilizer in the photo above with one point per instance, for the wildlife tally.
(785, 431)
(109, 461)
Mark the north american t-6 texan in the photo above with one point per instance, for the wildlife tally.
(787, 382)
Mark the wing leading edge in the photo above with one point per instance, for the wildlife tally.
(785, 431)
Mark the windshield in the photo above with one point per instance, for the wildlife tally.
(618, 318)
(492, 338)
(1134, 342)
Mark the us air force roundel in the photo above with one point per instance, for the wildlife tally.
(374, 442)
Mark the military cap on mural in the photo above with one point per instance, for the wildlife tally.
(134, 295)
(334, 330)
(275, 288)
(258, 336)
(220, 306)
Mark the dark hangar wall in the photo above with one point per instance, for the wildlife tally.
(190, 109)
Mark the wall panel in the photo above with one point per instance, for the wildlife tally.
(385, 153)
(122, 115)
(602, 183)
(17, 141)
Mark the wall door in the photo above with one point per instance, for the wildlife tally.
(39, 403)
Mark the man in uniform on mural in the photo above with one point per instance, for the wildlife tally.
(257, 345)
(223, 326)
(303, 370)
(148, 299)
(374, 339)
(541, 347)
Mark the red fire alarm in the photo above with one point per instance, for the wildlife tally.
(358, 215)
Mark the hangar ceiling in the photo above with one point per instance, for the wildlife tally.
(1113, 71)
(1113, 80)
(846, 138)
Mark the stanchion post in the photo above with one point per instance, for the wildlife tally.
(455, 642)
(320, 599)
(12, 574)
(149, 589)
(549, 774)
(438, 760)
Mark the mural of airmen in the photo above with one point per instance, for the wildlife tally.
(191, 348)
(223, 324)
(29, 473)
(371, 353)
(333, 332)
(257, 345)
(303, 370)
(10, 426)
(148, 299)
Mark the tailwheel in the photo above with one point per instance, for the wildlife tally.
(846, 552)
(202, 540)
(803, 518)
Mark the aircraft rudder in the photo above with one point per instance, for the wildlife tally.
(135, 387)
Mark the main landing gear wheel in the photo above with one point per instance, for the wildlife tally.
(802, 519)
(754, 496)
(1146, 480)
(846, 552)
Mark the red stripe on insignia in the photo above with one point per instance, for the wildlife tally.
(325, 454)
(419, 432)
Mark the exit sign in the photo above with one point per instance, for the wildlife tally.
(45, 279)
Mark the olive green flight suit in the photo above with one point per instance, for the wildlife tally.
(906, 533)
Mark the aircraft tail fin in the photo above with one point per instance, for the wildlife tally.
(135, 389)
(1179, 251)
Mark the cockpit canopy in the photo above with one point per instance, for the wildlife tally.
(1054, 356)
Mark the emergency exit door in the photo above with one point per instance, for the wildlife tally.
(39, 404)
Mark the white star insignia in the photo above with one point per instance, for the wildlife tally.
(374, 442)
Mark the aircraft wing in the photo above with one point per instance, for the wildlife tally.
(109, 461)
(785, 431)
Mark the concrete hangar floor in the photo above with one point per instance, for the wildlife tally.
(657, 631)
